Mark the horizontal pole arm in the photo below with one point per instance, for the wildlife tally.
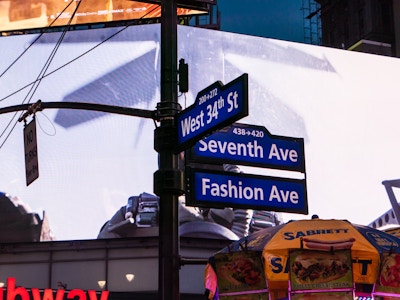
(85, 106)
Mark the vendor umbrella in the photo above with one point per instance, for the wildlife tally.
(273, 245)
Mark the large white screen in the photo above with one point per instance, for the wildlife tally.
(344, 104)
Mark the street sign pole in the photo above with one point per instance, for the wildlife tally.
(168, 180)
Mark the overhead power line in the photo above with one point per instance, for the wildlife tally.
(34, 85)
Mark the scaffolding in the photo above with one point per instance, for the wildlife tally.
(391, 217)
(211, 20)
(312, 22)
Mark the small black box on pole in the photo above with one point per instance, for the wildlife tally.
(183, 76)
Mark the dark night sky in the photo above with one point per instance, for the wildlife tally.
(277, 19)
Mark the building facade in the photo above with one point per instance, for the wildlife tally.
(370, 26)
(125, 268)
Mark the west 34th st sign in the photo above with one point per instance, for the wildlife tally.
(216, 106)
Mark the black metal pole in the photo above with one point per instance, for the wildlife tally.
(168, 179)
(128, 111)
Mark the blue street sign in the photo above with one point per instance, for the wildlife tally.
(211, 188)
(242, 144)
(215, 107)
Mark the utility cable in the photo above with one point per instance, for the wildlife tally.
(52, 55)
(64, 65)
(38, 79)
(44, 75)
(76, 58)
(35, 40)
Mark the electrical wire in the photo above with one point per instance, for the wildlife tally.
(13, 63)
(73, 60)
(52, 55)
(64, 65)
(43, 74)
(38, 79)
(35, 40)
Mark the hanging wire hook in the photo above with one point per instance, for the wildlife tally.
(31, 111)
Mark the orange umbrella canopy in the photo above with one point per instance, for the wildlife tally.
(274, 244)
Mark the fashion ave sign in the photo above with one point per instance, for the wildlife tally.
(16, 293)
(211, 188)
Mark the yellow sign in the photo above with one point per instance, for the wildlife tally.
(320, 270)
(365, 257)
(388, 281)
(239, 272)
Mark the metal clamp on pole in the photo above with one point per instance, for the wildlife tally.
(31, 110)
(172, 181)
(167, 179)
(167, 110)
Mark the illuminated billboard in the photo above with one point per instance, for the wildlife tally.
(345, 105)
(31, 14)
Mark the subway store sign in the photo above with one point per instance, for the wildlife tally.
(14, 292)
